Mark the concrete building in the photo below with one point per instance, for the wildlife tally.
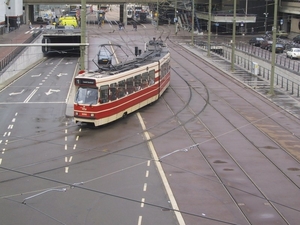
(11, 14)
(289, 16)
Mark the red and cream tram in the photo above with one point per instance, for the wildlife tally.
(117, 90)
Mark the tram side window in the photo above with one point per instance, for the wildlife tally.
(137, 82)
(129, 85)
(113, 92)
(151, 77)
(104, 93)
(163, 70)
(145, 79)
(121, 89)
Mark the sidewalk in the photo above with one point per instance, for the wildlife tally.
(18, 36)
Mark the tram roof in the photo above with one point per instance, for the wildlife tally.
(155, 51)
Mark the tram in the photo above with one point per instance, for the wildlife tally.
(116, 90)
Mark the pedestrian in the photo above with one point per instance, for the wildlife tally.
(169, 21)
(30, 25)
(134, 25)
(177, 28)
(252, 30)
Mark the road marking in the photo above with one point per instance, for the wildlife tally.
(145, 187)
(66, 147)
(16, 93)
(67, 169)
(10, 127)
(74, 147)
(147, 173)
(31, 94)
(36, 75)
(140, 220)
(0, 161)
(142, 202)
(161, 173)
(51, 91)
(62, 74)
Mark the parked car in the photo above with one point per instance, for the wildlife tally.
(104, 57)
(279, 48)
(265, 44)
(296, 39)
(293, 53)
(256, 41)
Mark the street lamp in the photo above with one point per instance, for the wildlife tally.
(266, 19)
(266, 16)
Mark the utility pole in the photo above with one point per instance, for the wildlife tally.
(233, 37)
(157, 14)
(274, 30)
(175, 17)
(209, 28)
(83, 33)
(193, 20)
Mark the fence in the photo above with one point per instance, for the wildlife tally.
(11, 56)
(289, 82)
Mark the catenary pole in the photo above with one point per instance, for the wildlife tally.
(209, 28)
(193, 20)
(83, 33)
(274, 30)
(233, 37)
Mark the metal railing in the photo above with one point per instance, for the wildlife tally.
(280, 59)
(11, 56)
(289, 85)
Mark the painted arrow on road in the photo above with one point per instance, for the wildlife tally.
(16, 93)
(51, 91)
(62, 74)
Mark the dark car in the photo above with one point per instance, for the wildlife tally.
(279, 48)
(256, 41)
(104, 57)
(297, 39)
(266, 44)
(39, 20)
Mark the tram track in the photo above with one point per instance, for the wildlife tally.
(159, 123)
(252, 122)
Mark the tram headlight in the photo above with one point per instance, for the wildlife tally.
(92, 114)
(76, 113)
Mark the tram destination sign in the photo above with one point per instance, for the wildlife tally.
(80, 81)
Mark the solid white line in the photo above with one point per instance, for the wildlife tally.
(31, 94)
(162, 173)
(140, 220)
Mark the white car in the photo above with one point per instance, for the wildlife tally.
(293, 53)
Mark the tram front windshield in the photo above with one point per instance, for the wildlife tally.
(86, 95)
